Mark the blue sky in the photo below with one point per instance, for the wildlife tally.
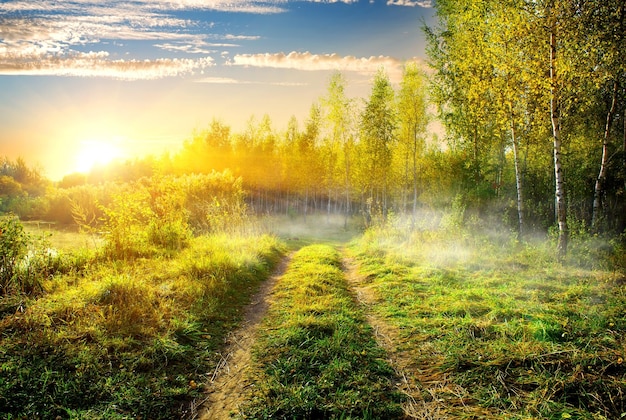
(131, 78)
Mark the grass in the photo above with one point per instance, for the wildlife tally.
(316, 356)
(62, 238)
(503, 329)
(130, 339)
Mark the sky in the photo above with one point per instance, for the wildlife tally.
(87, 81)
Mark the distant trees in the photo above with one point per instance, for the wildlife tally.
(412, 129)
(21, 188)
(533, 108)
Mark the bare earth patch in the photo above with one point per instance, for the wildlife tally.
(228, 382)
(427, 389)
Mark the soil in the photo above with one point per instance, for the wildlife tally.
(228, 383)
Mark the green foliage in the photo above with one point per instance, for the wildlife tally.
(125, 223)
(316, 357)
(21, 189)
(216, 202)
(25, 262)
(13, 248)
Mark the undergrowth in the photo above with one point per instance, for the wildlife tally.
(503, 329)
(316, 356)
(128, 339)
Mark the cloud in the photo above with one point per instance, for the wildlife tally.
(241, 37)
(37, 35)
(189, 48)
(411, 3)
(307, 61)
(334, 1)
(231, 81)
(98, 64)
(220, 81)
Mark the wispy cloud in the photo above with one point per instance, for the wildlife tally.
(97, 64)
(51, 37)
(313, 62)
(307, 61)
(411, 3)
(231, 81)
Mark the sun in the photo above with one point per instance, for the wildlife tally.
(93, 153)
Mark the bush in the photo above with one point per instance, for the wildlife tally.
(13, 248)
(24, 263)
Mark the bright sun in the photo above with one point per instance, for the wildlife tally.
(96, 152)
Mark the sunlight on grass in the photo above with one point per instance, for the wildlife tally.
(129, 337)
(516, 332)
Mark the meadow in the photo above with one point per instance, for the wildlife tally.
(126, 338)
(488, 327)
(432, 322)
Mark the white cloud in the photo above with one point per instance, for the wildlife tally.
(411, 3)
(307, 61)
(97, 64)
(241, 37)
(43, 36)
(220, 81)
(189, 48)
(231, 81)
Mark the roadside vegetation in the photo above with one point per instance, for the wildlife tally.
(316, 357)
(130, 328)
(499, 329)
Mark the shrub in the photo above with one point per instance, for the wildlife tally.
(24, 262)
(13, 248)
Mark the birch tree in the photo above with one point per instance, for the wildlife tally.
(378, 125)
(412, 123)
(338, 109)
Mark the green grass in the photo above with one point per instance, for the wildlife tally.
(128, 339)
(316, 356)
(512, 333)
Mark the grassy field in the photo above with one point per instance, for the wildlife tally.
(475, 325)
(62, 238)
(128, 339)
(494, 329)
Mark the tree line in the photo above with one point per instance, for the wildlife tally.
(532, 97)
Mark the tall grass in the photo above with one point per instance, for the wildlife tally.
(128, 339)
(512, 332)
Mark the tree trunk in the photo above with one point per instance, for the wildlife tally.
(561, 208)
(306, 202)
(330, 197)
(599, 187)
(518, 177)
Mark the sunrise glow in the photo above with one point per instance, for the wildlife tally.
(96, 152)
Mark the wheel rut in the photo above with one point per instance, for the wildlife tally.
(412, 380)
(229, 380)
